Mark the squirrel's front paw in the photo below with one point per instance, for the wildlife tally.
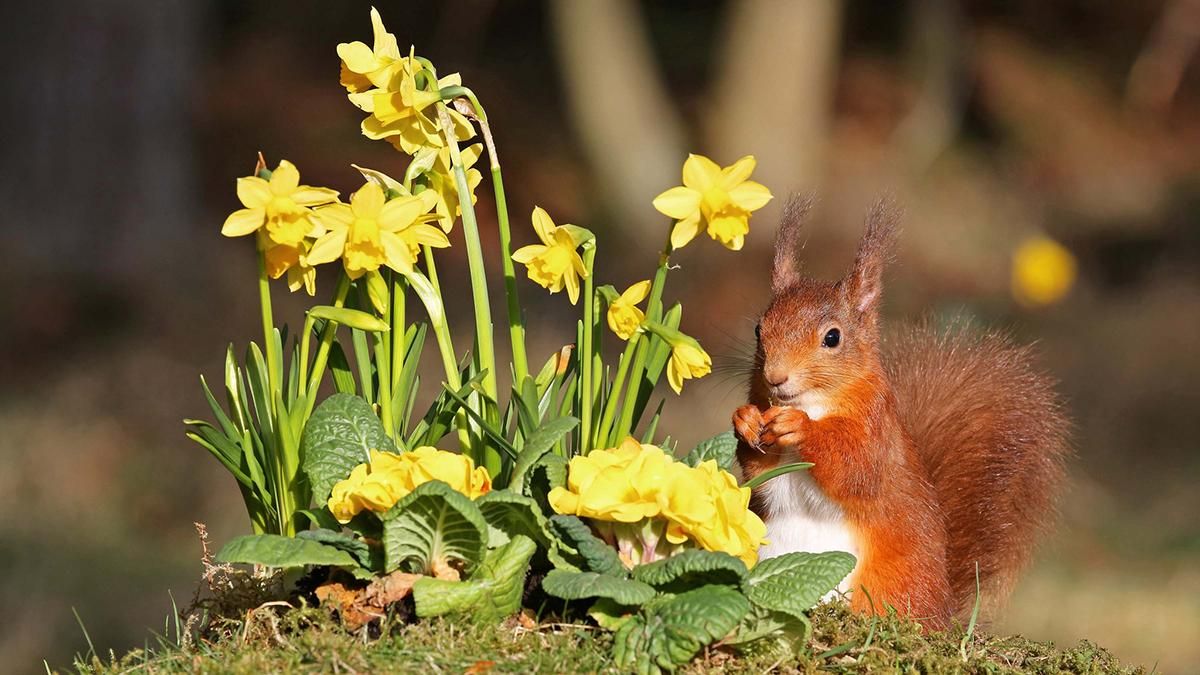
(748, 424)
(782, 428)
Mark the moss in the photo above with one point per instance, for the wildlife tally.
(311, 640)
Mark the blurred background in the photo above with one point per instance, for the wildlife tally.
(994, 123)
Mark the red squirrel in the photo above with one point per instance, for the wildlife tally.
(931, 452)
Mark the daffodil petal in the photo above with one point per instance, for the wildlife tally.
(399, 213)
(636, 293)
(253, 192)
(357, 56)
(399, 255)
(572, 284)
(684, 231)
(243, 221)
(543, 225)
(385, 42)
(285, 178)
(367, 202)
(328, 248)
(750, 196)
(333, 217)
(678, 202)
(700, 173)
(674, 377)
(737, 172)
(314, 196)
(429, 236)
(526, 254)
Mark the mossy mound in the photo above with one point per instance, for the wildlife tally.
(274, 638)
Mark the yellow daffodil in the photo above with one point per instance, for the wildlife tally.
(624, 317)
(1042, 271)
(293, 260)
(281, 204)
(389, 477)
(370, 232)
(441, 180)
(688, 361)
(365, 67)
(555, 263)
(649, 505)
(722, 197)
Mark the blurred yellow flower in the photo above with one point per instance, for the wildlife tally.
(639, 485)
(555, 263)
(389, 477)
(280, 204)
(624, 317)
(364, 67)
(722, 197)
(688, 361)
(1043, 271)
(441, 180)
(370, 232)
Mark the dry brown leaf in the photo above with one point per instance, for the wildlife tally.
(392, 588)
(479, 667)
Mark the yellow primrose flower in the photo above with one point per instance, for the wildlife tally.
(688, 361)
(1042, 271)
(370, 232)
(293, 260)
(281, 204)
(626, 490)
(364, 67)
(389, 477)
(624, 317)
(722, 197)
(555, 263)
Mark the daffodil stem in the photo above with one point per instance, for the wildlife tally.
(585, 352)
(653, 313)
(382, 352)
(516, 321)
(485, 356)
(274, 361)
(397, 337)
(327, 335)
(610, 408)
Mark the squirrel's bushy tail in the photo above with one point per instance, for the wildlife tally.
(992, 433)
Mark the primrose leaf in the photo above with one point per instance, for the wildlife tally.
(493, 592)
(691, 569)
(430, 526)
(275, 550)
(584, 585)
(337, 438)
(370, 557)
(591, 551)
(722, 448)
(548, 473)
(671, 630)
(537, 445)
(794, 582)
(509, 514)
(763, 631)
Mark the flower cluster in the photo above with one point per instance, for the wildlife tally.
(555, 263)
(279, 209)
(668, 504)
(377, 486)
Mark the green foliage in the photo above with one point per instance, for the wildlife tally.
(721, 448)
(368, 557)
(691, 569)
(275, 550)
(590, 552)
(509, 514)
(339, 436)
(537, 445)
(433, 524)
(671, 630)
(584, 585)
(493, 591)
(793, 582)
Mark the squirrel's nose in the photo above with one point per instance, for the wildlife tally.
(776, 377)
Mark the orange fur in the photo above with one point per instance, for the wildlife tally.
(947, 455)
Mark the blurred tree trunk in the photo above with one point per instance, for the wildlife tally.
(97, 170)
(773, 94)
(629, 126)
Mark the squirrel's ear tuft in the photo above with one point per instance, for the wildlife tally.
(786, 270)
(865, 282)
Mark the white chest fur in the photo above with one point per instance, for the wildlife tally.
(804, 519)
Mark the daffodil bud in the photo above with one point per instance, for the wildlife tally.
(349, 317)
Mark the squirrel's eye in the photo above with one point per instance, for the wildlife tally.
(833, 337)
(758, 331)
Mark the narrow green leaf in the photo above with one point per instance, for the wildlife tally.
(339, 366)
(777, 471)
(351, 318)
(362, 358)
